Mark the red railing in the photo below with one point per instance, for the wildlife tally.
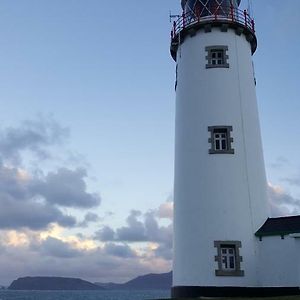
(228, 14)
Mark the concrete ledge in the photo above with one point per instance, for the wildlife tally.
(182, 292)
(253, 298)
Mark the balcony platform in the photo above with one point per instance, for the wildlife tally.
(190, 23)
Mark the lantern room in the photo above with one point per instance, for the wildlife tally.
(199, 14)
(209, 7)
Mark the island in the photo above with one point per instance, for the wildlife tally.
(145, 282)
(52, 283)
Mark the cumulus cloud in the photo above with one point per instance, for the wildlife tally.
(56, 248)
(141, 228)
(119, 250)
(13, 183)
(66, 188)
(116, 262)
(16, 214)
(34, 203)
(165, 251)
(165, 211)
(34, 200)
(32, 135)
(135, 231)
(105, 234)
(282, 203)
(89, 218)
(145, 230)
(19, 206)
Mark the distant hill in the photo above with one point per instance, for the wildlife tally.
(52, 283)
(149, 282)
(146, 282)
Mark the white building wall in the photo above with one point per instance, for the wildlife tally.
(222, 196)
(297, 258)
(279, 261)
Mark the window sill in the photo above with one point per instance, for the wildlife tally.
(237, 273)
(217, 66)
(221, 151)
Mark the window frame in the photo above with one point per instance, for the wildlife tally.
(216, 56)
(220, 140)
(210, 59)
(216, 144)
(228, 258)
(236, 271)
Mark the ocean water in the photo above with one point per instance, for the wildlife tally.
(84, 295)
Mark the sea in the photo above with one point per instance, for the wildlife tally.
(85, 295)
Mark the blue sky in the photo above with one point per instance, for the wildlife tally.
(87, 97)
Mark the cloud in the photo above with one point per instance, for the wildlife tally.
(142, 246)
(282, 203)
(34, 200)
(135, 231)
(54, 257)
(123, 251)
(66, 188)
(34, 218)
(165, 251)
(157, 233)
(165, 211)
(89, 218)
(56, 248)
(20, 207)
(16, 214)
(13, 183)
(146, 230)
(141, 228)
(34, 136)
(105, 234)
(34, 203)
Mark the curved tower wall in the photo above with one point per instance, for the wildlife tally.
(217, 197)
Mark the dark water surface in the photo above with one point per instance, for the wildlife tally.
(84, 295)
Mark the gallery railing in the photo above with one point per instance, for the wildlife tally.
(229, 14)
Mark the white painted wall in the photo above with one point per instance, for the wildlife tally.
(297, 258)
(217, 197)
(279, 261)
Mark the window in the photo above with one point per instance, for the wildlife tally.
(220, 140)
(217, 57)
(228, 258)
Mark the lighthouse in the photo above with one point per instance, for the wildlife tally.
(225, 242)
(220, 188)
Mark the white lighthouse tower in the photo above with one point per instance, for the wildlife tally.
(220, 193)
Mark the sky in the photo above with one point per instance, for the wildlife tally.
(87, 133)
